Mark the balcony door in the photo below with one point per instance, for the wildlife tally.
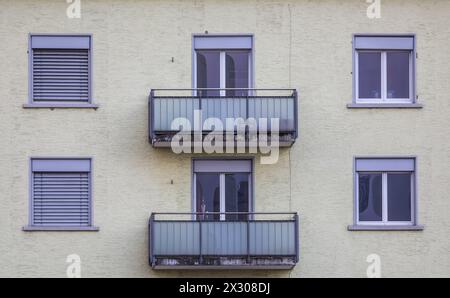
(222, 186)
(222, 62)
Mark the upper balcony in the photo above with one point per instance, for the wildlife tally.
(223, 240)
(273, 112)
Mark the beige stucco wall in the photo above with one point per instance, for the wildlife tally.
(298, 44)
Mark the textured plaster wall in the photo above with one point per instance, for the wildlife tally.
(298, 44)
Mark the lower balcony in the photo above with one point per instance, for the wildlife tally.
(238, 241)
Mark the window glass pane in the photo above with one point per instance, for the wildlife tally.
(399, 197)
(236, 195)
(208, 195)
(370, 197)
(208, 72)
(398, 74)
(369, 72)
(237, 72)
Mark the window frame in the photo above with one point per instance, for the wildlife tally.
(218, 43)
(385, 223)
(60, 104)
(385, 198)
(383, 49)
(251, 203)
(31, 226)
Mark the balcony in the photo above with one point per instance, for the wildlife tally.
(166, 105)
(249, 241)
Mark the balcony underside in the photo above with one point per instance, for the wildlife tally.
(164, 139)
(224, 263)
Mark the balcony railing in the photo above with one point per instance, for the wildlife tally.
(165, 105)
(261, 241)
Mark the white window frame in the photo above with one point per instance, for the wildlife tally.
(223, 70)
(384, 98)
(385, 209)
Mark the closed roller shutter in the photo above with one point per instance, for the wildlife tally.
(60, 75)
(61, 199)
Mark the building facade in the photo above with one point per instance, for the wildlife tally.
(88, 95)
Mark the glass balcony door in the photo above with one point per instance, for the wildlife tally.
(222, 69)
(222, 192)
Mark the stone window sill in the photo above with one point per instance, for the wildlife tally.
(384, 106)
(384, 228)
(60, 229)
(60, 106)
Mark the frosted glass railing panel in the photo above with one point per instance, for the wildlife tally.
(272, 238)
(224, 108)
(176, 238)
(165, 110)
(224, 238)
(273, 107)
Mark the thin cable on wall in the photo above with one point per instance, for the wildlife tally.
(290, 45)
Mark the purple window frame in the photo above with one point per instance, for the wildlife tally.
(385, 42)
(31, 227)
(60, 104)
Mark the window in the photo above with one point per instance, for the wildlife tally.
(222, 186)
(385, 191)
(60, 193)
(60, 70)
(222, 62)
(384, 69)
